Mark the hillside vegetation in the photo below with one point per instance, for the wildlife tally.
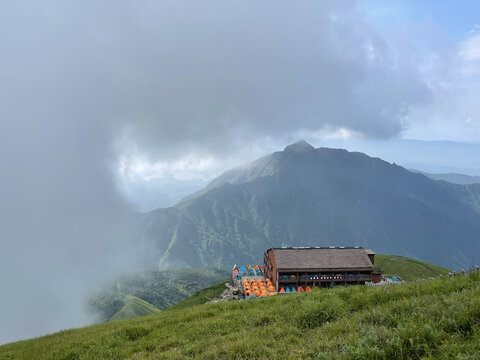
(408, 269)
(437, 319)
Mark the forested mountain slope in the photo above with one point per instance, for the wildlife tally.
(316, 197)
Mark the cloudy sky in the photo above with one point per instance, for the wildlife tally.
(98, 97)
(367, 72)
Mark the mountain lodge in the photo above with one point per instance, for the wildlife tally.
(319, 266)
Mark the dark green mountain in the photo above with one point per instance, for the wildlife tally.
(316, 197)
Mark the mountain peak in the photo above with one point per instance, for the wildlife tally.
(299, 146)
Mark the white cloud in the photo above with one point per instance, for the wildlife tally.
(454, 112)
(140, 167)
(469, 53)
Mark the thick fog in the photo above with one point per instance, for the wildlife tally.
(82, 83)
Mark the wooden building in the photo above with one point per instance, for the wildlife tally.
(319, 266)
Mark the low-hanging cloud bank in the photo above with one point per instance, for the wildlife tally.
(63, 229)
(213, 76)
(83, 81)
(180, 75)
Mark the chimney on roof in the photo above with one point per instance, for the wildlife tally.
(371, 255)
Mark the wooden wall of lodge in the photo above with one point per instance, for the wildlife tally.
(361, 275)
(270, 267)
(337, 276)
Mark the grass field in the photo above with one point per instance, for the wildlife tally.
(436, 319)
(408, 269)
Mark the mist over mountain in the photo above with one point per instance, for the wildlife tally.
(303, 196)
(146, 195)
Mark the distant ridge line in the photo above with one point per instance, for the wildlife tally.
(316, 247)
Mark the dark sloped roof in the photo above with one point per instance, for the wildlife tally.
(312, 258)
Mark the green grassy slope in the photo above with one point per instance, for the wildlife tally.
(133, 307)
(408, 269)
(438, 319)
(198, 298)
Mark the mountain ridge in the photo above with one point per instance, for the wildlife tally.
(309, 197)
(455, 178)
